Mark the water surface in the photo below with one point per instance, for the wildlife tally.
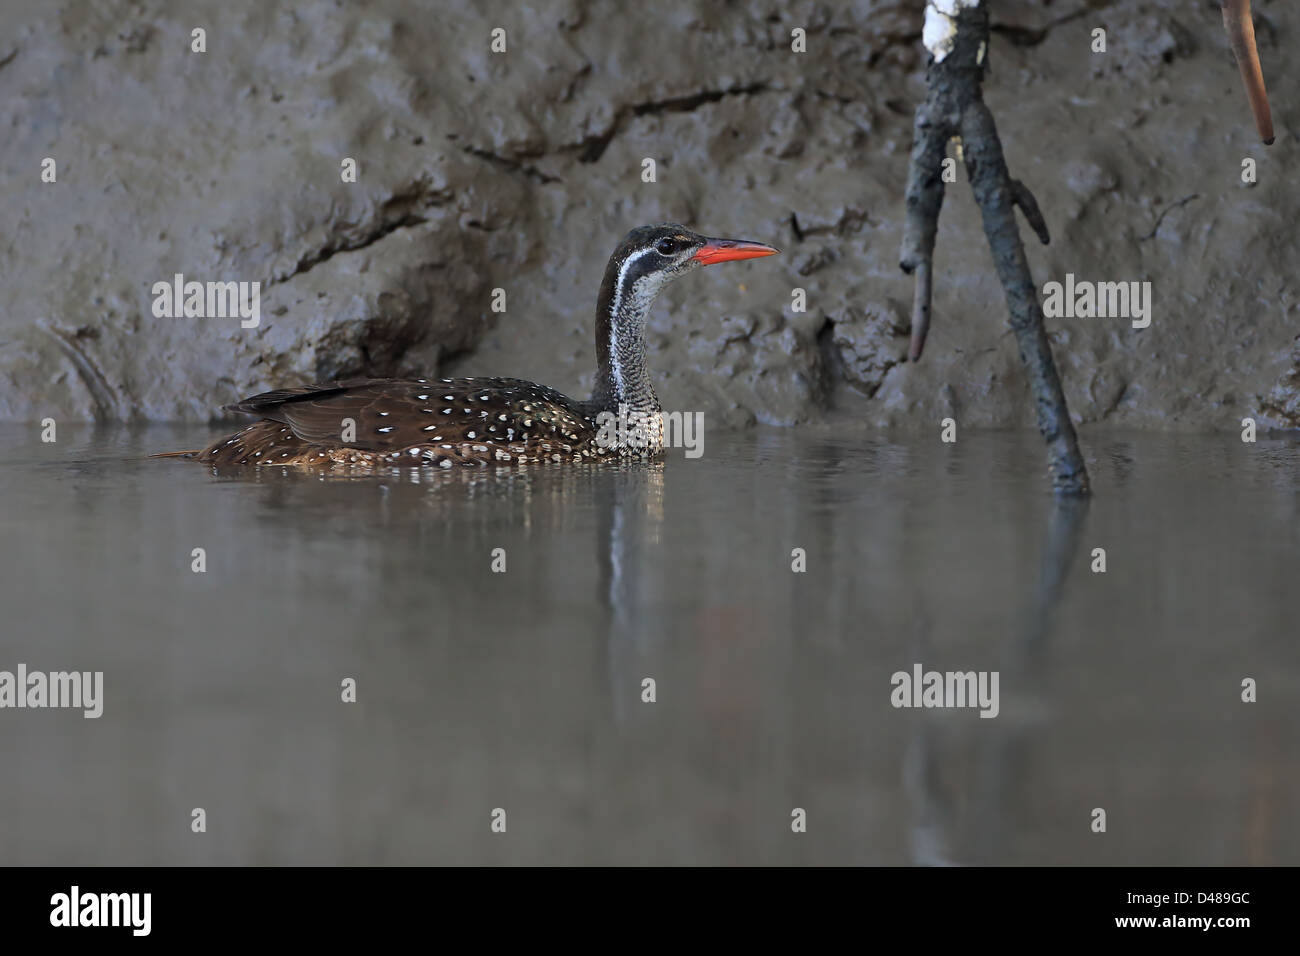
(522, 690)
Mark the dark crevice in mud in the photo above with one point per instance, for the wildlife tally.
(512, 165)
(401, 211)
(1282, 404)
(1166, 211)
(849, 222)
(891, 42)
(382, 231)
(886, 366)
(1115, 402)
(101, 392)
(6, 60)
(834, 97)
(375, 347)
(1018, 35)
(835, 372)
(830, 363)
(1279, 413)
(591, 148)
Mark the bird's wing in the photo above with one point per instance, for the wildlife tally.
(389, 414)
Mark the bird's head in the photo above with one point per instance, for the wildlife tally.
(647, 259)
(651, 256)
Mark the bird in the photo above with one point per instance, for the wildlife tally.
(446, 422)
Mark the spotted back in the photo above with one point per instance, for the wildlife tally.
(465, 420)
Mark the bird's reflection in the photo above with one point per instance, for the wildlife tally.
(629, 520)
(943, 834)
(628, 502)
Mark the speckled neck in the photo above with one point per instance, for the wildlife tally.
(626, 294)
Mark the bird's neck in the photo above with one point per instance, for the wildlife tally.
(622, 377)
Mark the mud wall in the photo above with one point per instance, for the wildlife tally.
(519, 170)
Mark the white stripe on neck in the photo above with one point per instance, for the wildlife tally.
(615, 369)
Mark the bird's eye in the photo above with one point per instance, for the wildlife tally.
(666, 247)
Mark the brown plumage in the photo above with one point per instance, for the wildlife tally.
(479, 421)
(421, 421)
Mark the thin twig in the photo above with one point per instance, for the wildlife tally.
(1023, 198)
(920, 311)
(1240, 26)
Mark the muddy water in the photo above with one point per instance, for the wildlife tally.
(523, 690)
